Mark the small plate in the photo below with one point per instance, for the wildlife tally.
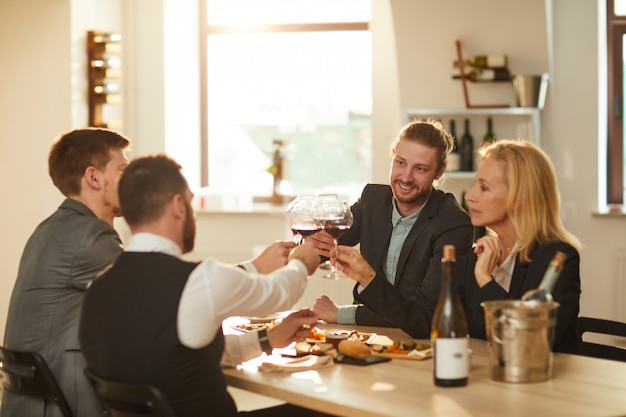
(264, 319)
(370, 360)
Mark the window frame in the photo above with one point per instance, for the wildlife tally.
(205, 30)
(616, 31)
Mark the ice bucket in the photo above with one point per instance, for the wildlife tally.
(530, 90)
(519, 338)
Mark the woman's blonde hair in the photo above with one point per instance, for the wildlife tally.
(534, 203)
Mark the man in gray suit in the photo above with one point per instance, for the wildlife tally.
(65, 252)
(401, 229)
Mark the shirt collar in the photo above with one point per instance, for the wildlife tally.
(408, 220)
(149, 242)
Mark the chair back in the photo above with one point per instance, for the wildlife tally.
(129, 400)
(602, 326)
(27, 373)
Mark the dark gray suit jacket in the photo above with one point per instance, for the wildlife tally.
(418, 276)
(62, 256)
(527, 276)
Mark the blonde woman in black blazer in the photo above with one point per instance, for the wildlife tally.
(516, 196)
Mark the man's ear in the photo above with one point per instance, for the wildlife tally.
(93, 178)
(441, 171)
(178, 206)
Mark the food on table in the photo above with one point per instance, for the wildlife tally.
(354, 349)
(408, 348)
(251, 327)
(321, 348)
(335, 338)
(316, 334)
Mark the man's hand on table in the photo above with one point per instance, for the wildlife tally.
(326, 308)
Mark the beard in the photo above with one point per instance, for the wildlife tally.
(415, 195)
(189, 230)
(117, 211)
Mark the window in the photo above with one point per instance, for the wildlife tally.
(298, 71)
(616, 54)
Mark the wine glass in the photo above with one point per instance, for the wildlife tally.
(336, 217)
(325, 265)
(301, 215)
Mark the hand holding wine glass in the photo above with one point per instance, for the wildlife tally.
(336, 217)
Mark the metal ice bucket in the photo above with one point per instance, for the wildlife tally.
(519, 338)
(530, 90)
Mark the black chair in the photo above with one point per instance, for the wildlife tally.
(27, 373)
(608, 327)
(129, 400)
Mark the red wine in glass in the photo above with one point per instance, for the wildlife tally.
(305, 230)
(300, 217)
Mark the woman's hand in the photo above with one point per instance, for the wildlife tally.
(488, 250)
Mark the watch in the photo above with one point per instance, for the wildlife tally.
(264, 341)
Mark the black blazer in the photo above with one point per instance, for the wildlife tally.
(409, 303)
(527, 276)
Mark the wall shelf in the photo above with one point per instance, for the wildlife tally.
(509, 123)
(525, 121)
(104, 77)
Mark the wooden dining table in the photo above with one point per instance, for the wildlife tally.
(579, 386)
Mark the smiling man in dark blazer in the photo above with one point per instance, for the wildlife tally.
(64, 253)
(401, 229)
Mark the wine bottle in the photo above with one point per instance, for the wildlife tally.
(454, 157)
(489, 136)
(543, 293)
(487, 75)
(486, 61)
(467, 149)
(449, 336)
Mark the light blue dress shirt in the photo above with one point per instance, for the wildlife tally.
(401, 228)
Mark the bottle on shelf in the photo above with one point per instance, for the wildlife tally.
(449, 335)
(467, 149)
(486, 61)
(454, 157)
(490, 137)
(487, 75)
(543, 293)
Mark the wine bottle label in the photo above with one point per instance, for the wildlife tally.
(451, 358)
(496, 61)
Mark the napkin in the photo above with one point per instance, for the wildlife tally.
(304, 363)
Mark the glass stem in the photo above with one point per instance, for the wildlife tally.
(334, 260)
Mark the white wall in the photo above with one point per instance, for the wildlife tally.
(42, 45)
(42, 96)
(34, 107)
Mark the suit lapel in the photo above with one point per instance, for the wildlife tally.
(520, 272)
(383, 230)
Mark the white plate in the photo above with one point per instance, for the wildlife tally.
(264, 319)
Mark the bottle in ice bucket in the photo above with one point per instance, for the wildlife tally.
(543, 293)
(449, 336)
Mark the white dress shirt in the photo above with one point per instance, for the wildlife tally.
(503, 274)
(215, 291)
